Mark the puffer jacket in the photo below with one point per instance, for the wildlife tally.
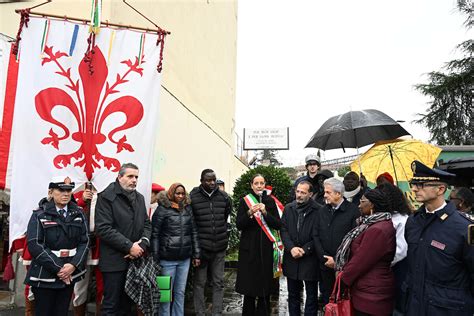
(210, 214)
(48, 232)
(174, 233)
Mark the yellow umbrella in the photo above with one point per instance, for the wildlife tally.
(395, 157)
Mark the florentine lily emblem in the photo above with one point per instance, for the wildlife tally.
(90, 109)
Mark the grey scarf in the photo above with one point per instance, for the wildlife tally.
(344, 250)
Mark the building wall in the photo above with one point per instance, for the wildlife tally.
(197, 103)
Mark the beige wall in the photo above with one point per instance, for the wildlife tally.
(197, 103)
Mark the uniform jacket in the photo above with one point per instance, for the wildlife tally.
(211, 214)
(306, 267)
(441, 264)
(255, 266)
(119, 222)
(368, 271)
(331, 229)
(174, 235)
(48, 231)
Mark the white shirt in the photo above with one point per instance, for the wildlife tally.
(64, 208)
(399, 222)
(439, 208)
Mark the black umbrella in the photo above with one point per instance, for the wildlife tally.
(356, 129)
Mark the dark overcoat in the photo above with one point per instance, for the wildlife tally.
(255, 266)
(119, 222)
(304, 268)
(331, 229)
(441, 264)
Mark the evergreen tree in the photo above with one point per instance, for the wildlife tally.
(450, 114)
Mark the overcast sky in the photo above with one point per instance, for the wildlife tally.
(301, 62)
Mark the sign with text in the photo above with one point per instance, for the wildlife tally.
(266, 138)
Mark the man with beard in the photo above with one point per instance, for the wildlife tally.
(300, 260)
(124, 229)
(211, 208)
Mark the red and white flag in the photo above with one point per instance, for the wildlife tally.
(8, 80)
(81, 117)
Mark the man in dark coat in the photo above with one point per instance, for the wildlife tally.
(353, 188)
(211, 208)
(335, 220)
(124, 229)
(300, 261)
(441, 263)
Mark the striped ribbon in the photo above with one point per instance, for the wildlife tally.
(142, 48)
(272, 234)
(44, 40)
(96, 13)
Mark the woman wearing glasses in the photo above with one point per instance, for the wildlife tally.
(365, 256)
(174, 243)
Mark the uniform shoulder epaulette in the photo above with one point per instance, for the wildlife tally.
(467, 216)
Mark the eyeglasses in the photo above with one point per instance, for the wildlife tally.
(180, 193)
(421, 185)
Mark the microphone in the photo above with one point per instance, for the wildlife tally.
(260, 193)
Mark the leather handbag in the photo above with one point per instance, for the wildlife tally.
(165, 288)
(340, 300)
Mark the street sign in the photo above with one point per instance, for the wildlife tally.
(266, 138)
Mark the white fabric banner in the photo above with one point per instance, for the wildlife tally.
(5, 46)
(79, 119)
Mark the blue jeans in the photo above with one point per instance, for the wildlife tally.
(178, 270)
(294, 297)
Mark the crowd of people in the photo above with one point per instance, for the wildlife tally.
(392, 259)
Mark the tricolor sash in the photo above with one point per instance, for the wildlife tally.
(279, 205)
(272, 234)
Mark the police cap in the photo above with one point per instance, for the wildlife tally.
(423, 173)
(62, 183)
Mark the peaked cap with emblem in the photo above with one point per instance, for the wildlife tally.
(423, 173)
(61, 182)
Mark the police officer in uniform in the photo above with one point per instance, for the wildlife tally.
(441, 263)
(58, 242)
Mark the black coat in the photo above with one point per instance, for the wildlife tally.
(255, 266)
(331, 229)
(119, 222)
(304, 268)
(174, 235)
(210, 214)
(441, 264)
(48, 231)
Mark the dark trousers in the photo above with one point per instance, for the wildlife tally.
(213, 265)
(294, 297)
(262, 308)
(328, 278)
(52, 302)
(116, 302)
